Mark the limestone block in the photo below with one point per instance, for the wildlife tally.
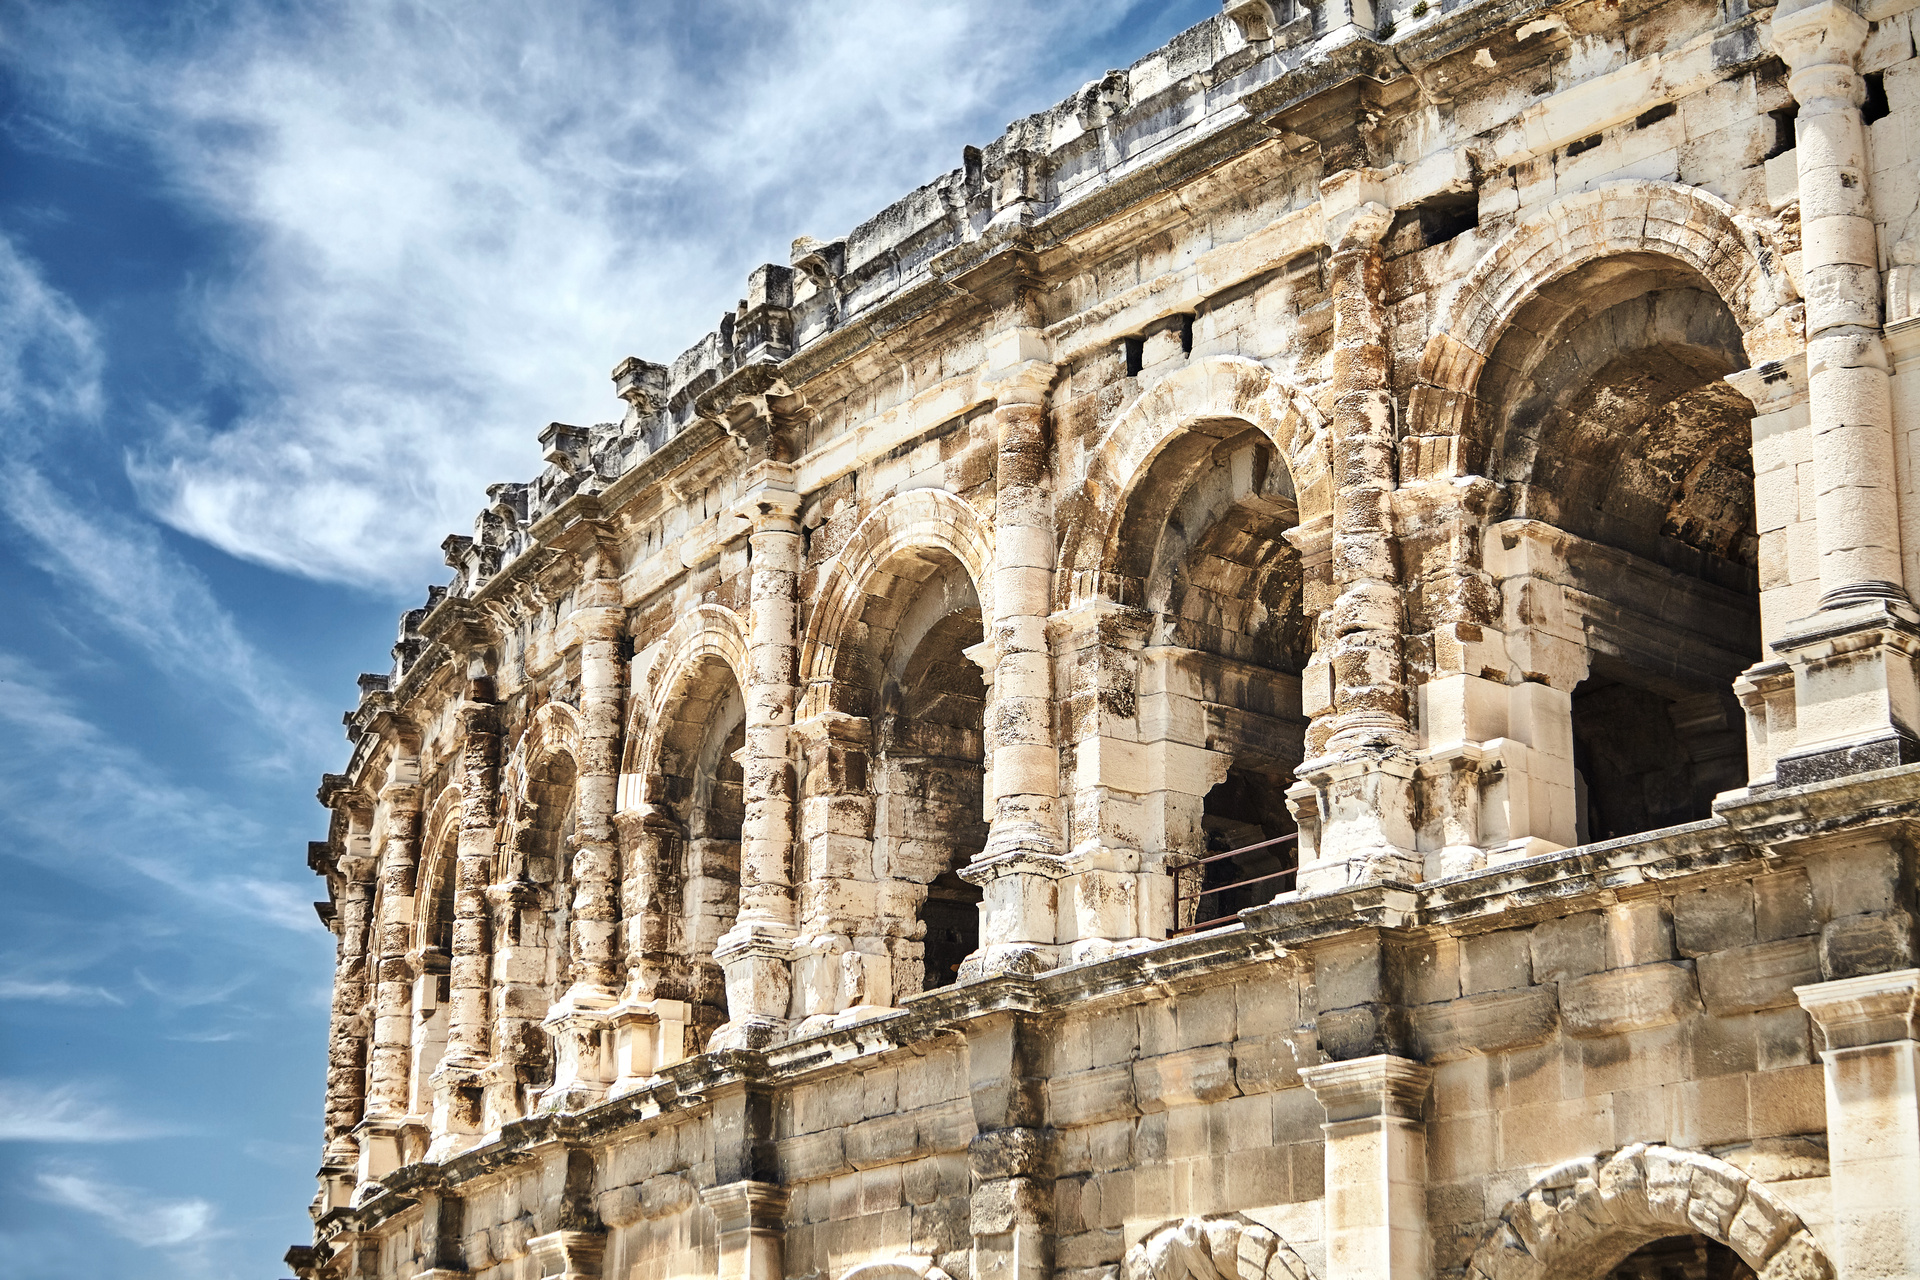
(1783, 906)
(1570, 947)
(1488, 1023)
(1715, 918)
(1872, 943)
(1192, 1075)
(1759, 976)
(1638, 932)
(1621, 1000)
(1496, 961)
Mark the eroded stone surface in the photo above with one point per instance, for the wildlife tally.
(1303, 669)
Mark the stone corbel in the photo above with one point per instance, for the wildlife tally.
(1774, 386)
(1765, 691)
(578, 1027)
(648, 1036)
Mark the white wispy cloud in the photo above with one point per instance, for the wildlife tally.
(453, 220)
(66, 1113)
(115, 565)
(128, 1212)
(86, 802)
(55, 991)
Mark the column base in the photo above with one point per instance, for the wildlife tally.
(757, 959)
(1856, 686)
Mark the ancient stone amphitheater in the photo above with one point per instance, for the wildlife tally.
(1304, 669)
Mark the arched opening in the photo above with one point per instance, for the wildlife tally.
(1201, 554)
(698, 788)
(532, 963)
(1614, 429)
(433, 980)
(1681, 1257)
(894, 790)
(928, 770)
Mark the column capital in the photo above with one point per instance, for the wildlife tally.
(1822, 34)
(746, 1204)
(1383, 1085)
(1773, 387)
(1018, 384)
(1853, 1013)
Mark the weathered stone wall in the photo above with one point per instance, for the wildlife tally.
(1304, 668)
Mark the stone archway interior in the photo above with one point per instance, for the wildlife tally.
(1202, 554)
(1682, 1257)
(1612, 423)
(929, 765)
(699, 785)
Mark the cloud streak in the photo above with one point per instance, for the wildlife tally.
(455, 221)
(130, 1213)
(66, 1114)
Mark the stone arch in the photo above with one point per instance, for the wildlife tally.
(1200, 396)
(905, 1267)
(917, 520)
(1581, 1218)
(709, 631)
(439, 830)
(675, 903)
(1229, 1247)
(1737, 257)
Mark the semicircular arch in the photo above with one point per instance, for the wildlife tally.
(919, 520)
(1734, 256)
(1227, 1247)
(1204, 396)
(1579, 1219)
(708, 631)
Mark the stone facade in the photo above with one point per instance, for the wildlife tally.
(1305, 670)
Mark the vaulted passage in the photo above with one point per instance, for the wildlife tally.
(1203, 559)
(1688, 1257)
(1618, 432)
(700, 783)
(928, 775)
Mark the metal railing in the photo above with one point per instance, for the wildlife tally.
(1180, 880)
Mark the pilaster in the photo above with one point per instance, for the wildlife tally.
(1018, 928)
(457, 1115)
(1870, 1032)
(1358, 788)
(751, 1218)
(1376, 1152)
(1012, 1203)
(1857, 690)
(756, 953)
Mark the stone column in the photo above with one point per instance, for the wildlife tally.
(1012, 1202)
(347, 1031)
(1359, 788)
(399, 820)
(1019, 866)
(457, 1082)
(1856, 694)
(1870, 1029)
(1376, 1206)
(752, 1227)
(577, 1022)
(755, 953)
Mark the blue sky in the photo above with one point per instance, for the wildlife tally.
(282, 288)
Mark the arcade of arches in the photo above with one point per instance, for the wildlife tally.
(1307, 666)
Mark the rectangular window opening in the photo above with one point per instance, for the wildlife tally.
(1186, 335)
(1875, 107)
(1654, 116)
(1587, 143)
(1783, 140)
(1135, 349)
